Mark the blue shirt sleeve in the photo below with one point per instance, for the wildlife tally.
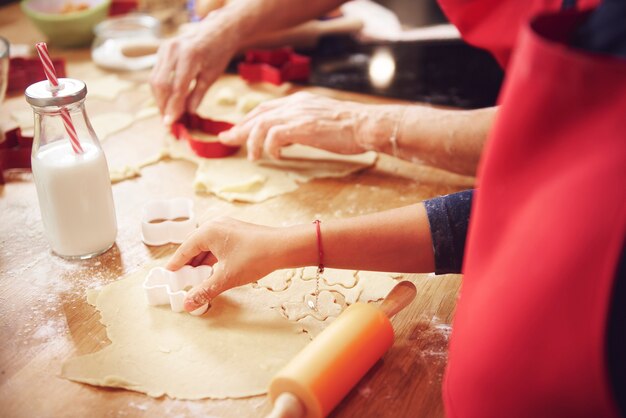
(448, 217)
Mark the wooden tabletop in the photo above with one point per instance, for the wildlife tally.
(44, 317)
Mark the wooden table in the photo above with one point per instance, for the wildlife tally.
(44, 317)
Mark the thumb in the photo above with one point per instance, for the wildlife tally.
(206, 291)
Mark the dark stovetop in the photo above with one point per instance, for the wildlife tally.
(447, 72)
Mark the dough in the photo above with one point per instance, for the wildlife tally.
(226, 97)
(232, 351)
(131, 171)
(249, 101)
(146, 112)
(107, 87)
(25, 120)
(235, 178)
(107, 124)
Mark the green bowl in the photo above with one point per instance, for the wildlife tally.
(70, 29)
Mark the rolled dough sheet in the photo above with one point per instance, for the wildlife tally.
(107, 87)
(230, 352)
(107, 124)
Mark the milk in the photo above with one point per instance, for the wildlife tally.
(75, 199)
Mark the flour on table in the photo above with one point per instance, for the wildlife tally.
(232, 351)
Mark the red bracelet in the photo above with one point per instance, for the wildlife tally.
(318, 229)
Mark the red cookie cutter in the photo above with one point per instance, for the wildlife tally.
(15, 151)
(122, 7)
(25, 71)
(274, 66)
(190, 121)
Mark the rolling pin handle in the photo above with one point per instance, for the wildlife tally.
(287, 405)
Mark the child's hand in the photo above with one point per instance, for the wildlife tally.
(239, 252)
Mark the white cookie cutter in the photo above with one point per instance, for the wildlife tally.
(163, 286)
(168, 229)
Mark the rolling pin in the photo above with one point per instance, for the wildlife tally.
(316, 380)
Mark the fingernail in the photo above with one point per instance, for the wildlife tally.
(168, 120)
(195, 301)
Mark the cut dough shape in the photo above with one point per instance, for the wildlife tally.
(327, 307)
(107, 124)
(107, 87)
(278, 280)
(232, 351)
(344, 278)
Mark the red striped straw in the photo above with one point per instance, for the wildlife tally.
(51, 75)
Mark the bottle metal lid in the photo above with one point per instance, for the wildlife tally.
(69, 91)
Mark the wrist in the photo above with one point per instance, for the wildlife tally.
(224, 25)
(295, 246)
(378, 124)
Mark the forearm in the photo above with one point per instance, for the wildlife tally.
(393, 240)
(250, 18)
(448, 139)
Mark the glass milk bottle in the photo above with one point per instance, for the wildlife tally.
(73, 188)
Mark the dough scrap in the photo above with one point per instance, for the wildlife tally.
(232, 351)
(128, 172)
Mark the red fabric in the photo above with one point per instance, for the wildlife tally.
(547, 228)
(494, 24)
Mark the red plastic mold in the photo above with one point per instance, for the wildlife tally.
(274, 66)
(15, 152)
(190, 121)
(25, 71)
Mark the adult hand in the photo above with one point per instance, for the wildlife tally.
(239, 252)
(200, 57)
(303, 118)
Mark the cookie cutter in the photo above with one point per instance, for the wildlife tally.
(191, 121)
(274, 66)
(15, 152)
(165, 221)
(25, 71)
(163, 286)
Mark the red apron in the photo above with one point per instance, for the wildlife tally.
(547, 228)
(494, 24)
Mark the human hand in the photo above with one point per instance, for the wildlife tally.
(200, 56)
(338, 126)
(239, 252)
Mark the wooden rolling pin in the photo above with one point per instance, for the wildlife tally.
(316, 380)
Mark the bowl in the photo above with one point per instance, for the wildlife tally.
(72, 29)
